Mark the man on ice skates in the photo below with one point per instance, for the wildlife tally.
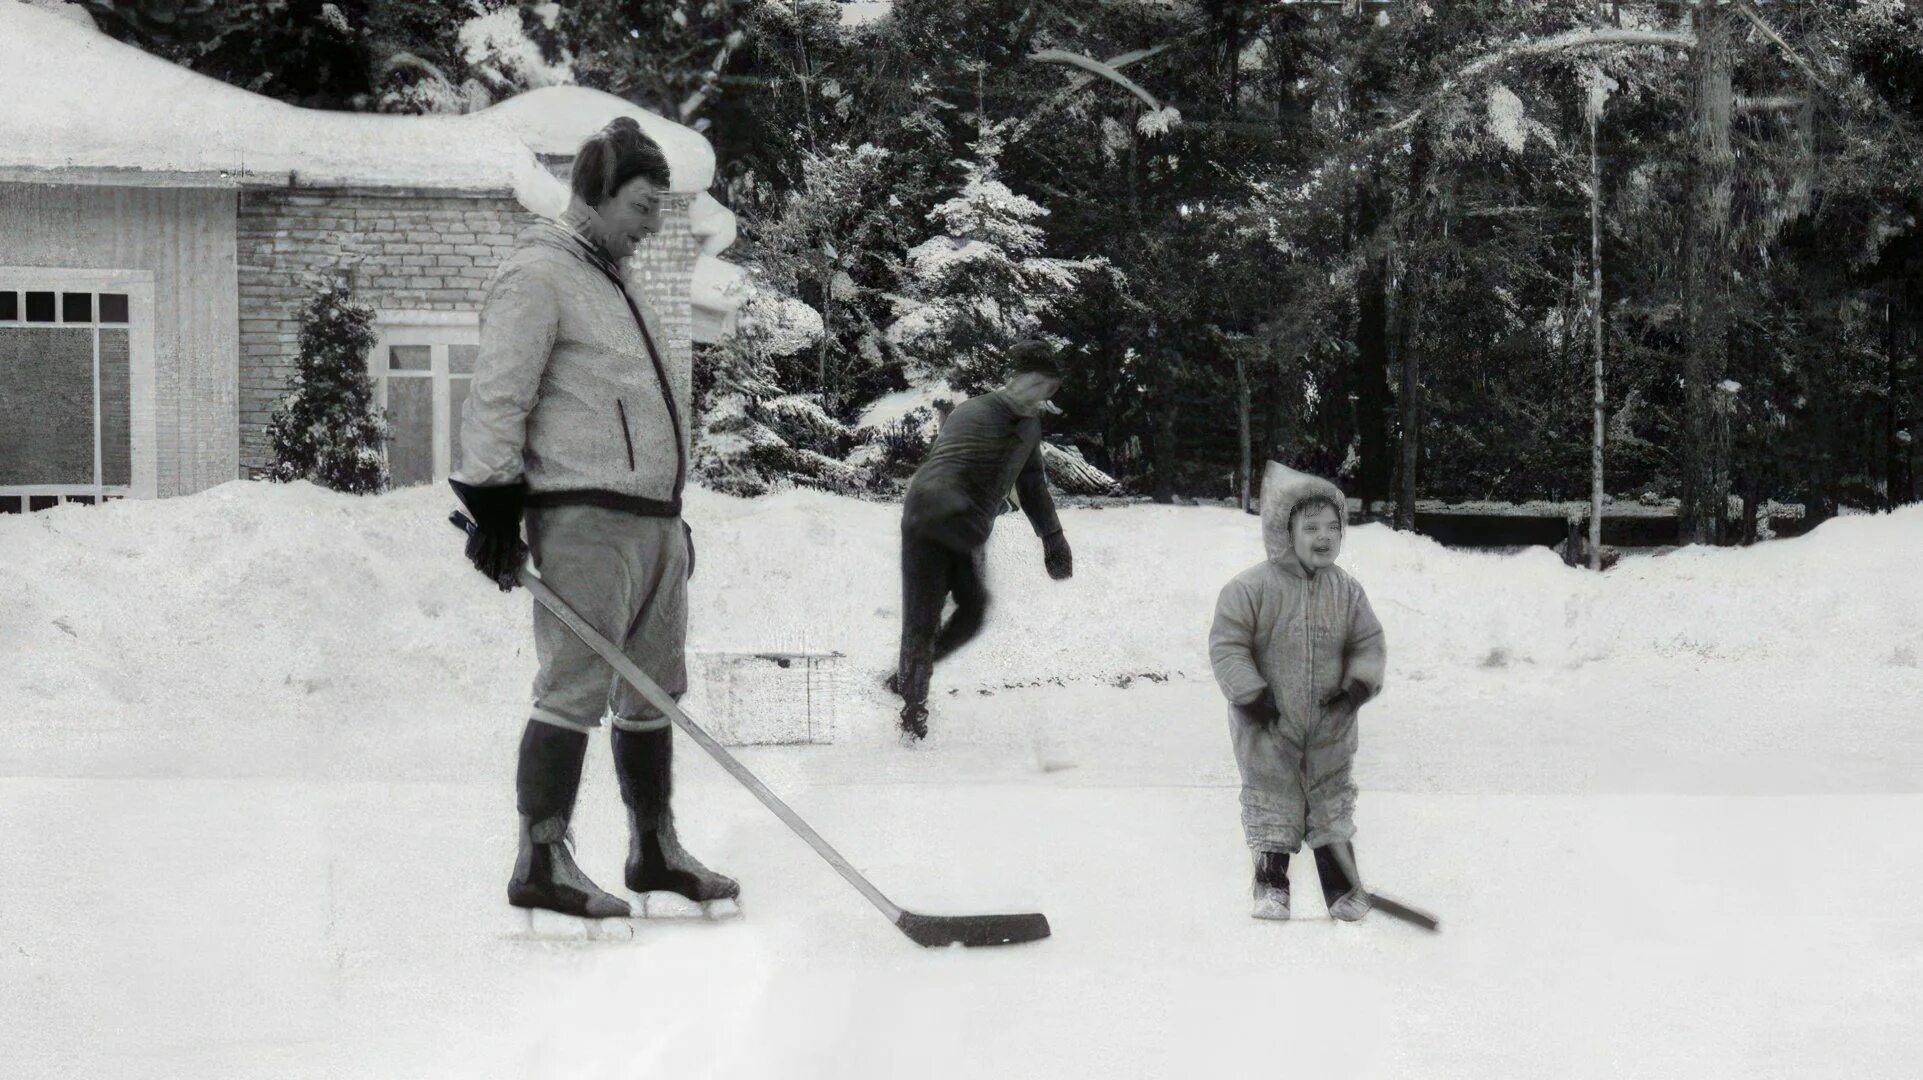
(577, 421)
(988, 446)
(1296, 649)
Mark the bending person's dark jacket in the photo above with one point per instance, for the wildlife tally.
(985, 448)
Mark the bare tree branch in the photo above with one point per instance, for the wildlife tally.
(1096, 67)
(1789, 51)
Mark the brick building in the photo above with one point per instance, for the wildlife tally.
(159, 232)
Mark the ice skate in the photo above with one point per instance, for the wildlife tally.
(545, 875)
(660, 870)
(668, 881)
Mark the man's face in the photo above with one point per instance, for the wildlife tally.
(1028, 390)
(1318, 538)
(629, 217)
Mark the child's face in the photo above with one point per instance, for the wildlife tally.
(1318, 538)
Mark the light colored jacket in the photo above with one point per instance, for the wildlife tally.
(564, 393)
(1281, 629)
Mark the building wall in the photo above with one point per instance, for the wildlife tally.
(411, 251)
(186, 238)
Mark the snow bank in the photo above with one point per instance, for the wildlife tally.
(314, 614)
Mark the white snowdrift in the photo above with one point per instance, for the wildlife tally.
(324, 615)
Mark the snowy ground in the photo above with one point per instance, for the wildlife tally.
(1672, 816)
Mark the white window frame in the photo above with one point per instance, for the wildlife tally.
(142, 432)
(437, 330)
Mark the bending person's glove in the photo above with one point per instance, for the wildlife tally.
(1057, 557)
(494, 545)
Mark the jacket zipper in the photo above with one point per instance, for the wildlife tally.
(622, 408)
(1310, 712)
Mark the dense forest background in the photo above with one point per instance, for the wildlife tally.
(1537, 249)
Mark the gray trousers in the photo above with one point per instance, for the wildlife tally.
(627, 576)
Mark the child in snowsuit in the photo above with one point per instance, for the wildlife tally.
(1297, 650)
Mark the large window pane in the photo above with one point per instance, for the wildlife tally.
(116, 408)
(46, 405)
(410, 447)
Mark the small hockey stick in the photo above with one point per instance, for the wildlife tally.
(926, 930)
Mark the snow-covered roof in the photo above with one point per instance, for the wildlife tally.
(555, 120)
(82, 106)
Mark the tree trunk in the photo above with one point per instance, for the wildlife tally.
(1892, 449)
(1165, 450)
(1371, 372)
(1596, 325)
(1243, 407)
(1411, 428)
(1705, 487)
(827, 335)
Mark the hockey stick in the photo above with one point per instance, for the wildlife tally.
(925, 930)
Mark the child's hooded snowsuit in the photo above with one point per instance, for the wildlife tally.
(1301, 638)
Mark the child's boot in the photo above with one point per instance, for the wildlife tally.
(1271, 885)
(1347, 899)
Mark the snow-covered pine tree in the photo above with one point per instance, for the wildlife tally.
(326, 429)
(981, 283)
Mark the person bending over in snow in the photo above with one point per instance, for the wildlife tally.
(1297, 650)
(988, 445)
(578, 420)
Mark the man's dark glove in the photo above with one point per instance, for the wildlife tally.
(494, 545)
(1352, 695)
(1056, 556)
(1261, 712)
(687, 531)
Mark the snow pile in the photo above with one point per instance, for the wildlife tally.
(342, 620)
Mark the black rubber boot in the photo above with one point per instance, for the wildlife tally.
(1271, 885)
(644, 763)
(545, 785)
(1347, 900)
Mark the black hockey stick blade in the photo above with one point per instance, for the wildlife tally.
(1397, 909)
(933, 931)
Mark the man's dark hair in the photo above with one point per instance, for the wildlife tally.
(1033, 358)
(613, 156)
(1318, 502)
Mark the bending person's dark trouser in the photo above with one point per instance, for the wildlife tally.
(932, 567)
